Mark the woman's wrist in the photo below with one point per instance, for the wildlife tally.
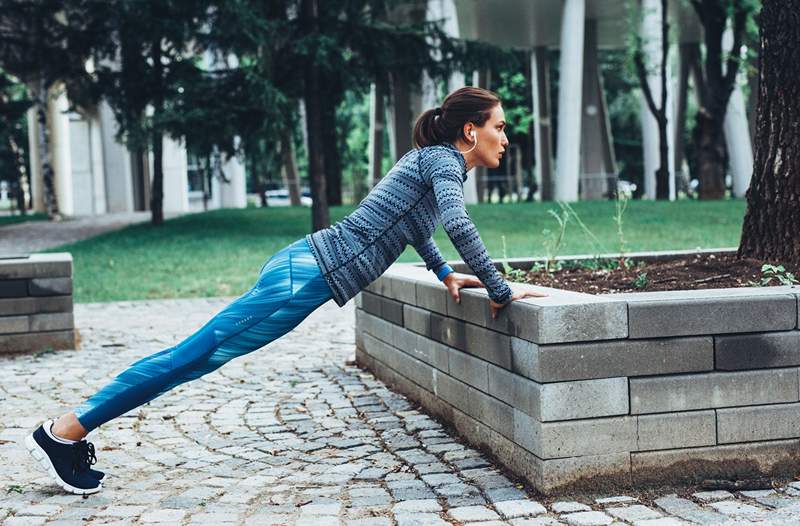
(445, 271)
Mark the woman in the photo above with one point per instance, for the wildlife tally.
(425, 186)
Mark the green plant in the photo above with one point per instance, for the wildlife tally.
(514, 274)
(620, 205)
(15, 488)
(770, 273)
(566, 208)
(641, 280)
(552, 241)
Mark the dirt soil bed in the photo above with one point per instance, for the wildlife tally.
(687, 272)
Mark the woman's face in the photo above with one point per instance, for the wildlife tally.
(492, 140)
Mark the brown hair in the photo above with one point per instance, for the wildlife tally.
(445, 124)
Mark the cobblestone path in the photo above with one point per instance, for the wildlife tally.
(287, 435)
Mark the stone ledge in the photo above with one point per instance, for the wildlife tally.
(48, 265)
(39, 341)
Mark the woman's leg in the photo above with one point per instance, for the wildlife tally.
(289, 288)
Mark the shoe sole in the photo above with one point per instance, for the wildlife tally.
(40, 456)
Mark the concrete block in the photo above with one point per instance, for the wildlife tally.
(501, 384)
(584, 399)
(380, 286)
(17, 306)
(474, 308)
(448, 331)
(729, 462)
(358, 300)
(12, 324)
(415, 370)
(587, 471)
(568, 318)
(56, 321)
(468, 369)
(491, 412)
(412, 344)
(39, 341)
(392, 311)
(359, 328)
(13, 288)
(719, 312)
(50, 286)
(53, 304)
(371, 303)
(440, 354)
(488, 345)
(596, 436)
(757, 351)
(378, 327)
(403, 289)
(452, 391)
(432, 296)
(417, 320)
(753, 424)
(48, 265)
(711, 390)
(607, 359)
(572, 400)
(676, 430)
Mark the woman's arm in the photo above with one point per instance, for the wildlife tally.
(445, 176)
(433, 259)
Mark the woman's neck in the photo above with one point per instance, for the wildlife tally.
(469, 157)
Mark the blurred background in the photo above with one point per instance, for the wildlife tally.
(169, 107)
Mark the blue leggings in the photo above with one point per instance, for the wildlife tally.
(289, 288)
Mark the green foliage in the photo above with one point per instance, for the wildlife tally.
(641, 280)
(775, 273)
(514, 274)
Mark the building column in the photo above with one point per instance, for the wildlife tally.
(35, 170)
(542, 137)
(176, 181)
(376, 124)
(57, 108)
(568, 155)
(598, 164)
(737, 133)
(234, 192)
(117, 164)
(651, 32)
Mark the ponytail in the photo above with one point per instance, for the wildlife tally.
(446, 123)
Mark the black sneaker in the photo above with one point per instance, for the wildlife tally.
(68, 464)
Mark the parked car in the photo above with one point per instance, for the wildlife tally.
(281, 198)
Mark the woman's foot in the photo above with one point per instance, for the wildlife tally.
(68, 463)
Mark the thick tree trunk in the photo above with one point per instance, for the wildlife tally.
(771, 229)
(45, 151)
(320, 217)
(710, 157)
(332, 159)
(19, 161)
(662, 174)
(157, 195)
(290, 168)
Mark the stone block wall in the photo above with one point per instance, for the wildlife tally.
(577, 390)
(36, 303)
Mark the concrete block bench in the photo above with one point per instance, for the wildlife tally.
(36, 303)
(590, 391)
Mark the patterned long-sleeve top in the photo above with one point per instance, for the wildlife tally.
(424, 187)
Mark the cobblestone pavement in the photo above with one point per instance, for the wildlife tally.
(33, 236)
(288, 435)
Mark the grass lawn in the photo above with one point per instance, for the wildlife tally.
(220, 253)
(8, 220)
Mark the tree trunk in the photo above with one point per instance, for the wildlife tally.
(330, 144)
(19, 161)
(662, 174)
(157, 195)
(45, 151)
(770, 231)
(320, 217)
(710, 157)
(290, 168)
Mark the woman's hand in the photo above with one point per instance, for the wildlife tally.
(455, 281)
(518, 295)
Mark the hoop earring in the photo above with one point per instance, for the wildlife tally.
(473, 146)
